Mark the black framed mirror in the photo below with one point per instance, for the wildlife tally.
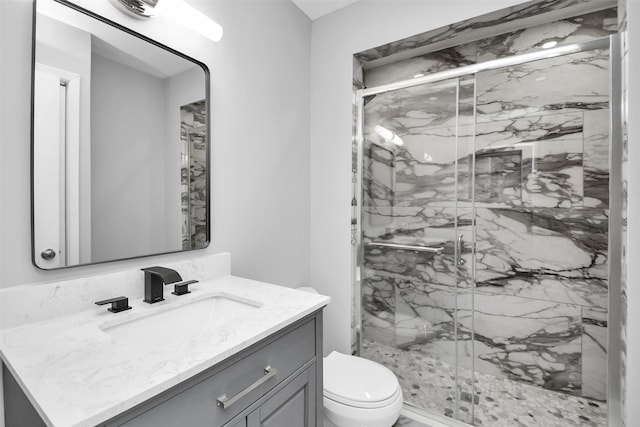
(120, 142)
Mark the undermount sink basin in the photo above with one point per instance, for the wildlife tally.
(179, 323)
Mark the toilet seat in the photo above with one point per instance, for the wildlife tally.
(364, 405)
(358, 382)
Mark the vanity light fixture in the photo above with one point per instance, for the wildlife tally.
(141, 9)
(388, 135)
(177, 10)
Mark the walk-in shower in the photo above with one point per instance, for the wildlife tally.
(484, 257)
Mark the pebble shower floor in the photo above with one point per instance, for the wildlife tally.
(430, 384)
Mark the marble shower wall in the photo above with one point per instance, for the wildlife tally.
(193, 177)
(479, 27)
(573, 29)
(529, 303)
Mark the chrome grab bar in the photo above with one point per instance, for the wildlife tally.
(408, 247)
(226, 402)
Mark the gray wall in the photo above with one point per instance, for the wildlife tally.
(260, 129)
(128, 198)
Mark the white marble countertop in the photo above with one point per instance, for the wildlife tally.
(75, 374)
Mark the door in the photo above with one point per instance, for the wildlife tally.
(56, 167)
(539, 312)
(417, 229)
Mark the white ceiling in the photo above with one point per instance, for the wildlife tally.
(317, 8)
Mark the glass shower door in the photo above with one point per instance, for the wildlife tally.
(417, 214)
(485, 229)
(541, 234)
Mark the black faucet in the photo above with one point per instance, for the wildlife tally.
(156, 277)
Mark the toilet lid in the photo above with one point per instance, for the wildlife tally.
(356, 381)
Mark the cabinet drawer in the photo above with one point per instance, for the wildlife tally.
(196, 406)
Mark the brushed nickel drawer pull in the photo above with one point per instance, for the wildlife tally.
(226, 402)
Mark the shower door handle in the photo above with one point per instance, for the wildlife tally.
(459, 244)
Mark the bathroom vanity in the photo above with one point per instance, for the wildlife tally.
(272, 384)
(258, 364)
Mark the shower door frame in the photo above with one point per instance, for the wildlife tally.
(617, 113)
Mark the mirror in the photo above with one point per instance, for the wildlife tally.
(120, 142)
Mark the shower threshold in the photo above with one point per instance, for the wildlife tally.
(416, 417)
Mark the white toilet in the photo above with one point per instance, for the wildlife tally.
(359, 393)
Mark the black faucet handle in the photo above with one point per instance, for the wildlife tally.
(182, 288)
(118, 304)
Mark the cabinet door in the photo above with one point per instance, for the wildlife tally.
(293, 406)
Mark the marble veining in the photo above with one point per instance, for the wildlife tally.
(535, 148)
(564, 31)
(77, 375)
(474, 25)
(553, 254)
(532, 341)
(574, 29)
(545, 86)
(594, 347)
(530, 161)
(428, 63)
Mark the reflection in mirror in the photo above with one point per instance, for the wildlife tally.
(193, 175)
(120, 143)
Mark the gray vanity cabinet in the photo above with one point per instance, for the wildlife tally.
(291, 396)
(276, 382)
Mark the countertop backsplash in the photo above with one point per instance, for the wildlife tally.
(26, 304)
